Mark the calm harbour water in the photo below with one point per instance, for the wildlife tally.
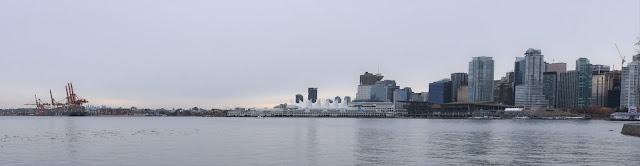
(311, 141)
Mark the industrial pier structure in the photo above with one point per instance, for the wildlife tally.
(72, 107)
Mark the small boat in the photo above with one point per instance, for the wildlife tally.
(259, 117)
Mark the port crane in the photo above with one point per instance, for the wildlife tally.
(73, 104)
(40, 106)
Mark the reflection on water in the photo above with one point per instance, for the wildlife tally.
(71, 137)
(310, 141)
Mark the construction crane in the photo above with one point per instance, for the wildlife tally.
(621, 57)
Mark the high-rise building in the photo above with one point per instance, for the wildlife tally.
(530, 95)
(457, 80)
(600, 69)
(481, 79)
(367, 81)
(518, 71)
(347, 99)
(598, 90)
(567, 95)
(313, 94)
(629, 95)
(370, 79)
(440, 91)
(337, 99)
(299, 98)
(613, 86)
(585, 70)
(550, 87)
(557, 67)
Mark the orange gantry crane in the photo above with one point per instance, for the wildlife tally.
(73, 104)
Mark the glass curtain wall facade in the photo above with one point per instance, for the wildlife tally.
(481, 79)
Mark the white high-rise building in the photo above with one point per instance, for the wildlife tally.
(629, 95)
(481, 79)
(530, 94)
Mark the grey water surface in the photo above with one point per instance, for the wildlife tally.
(312, 141)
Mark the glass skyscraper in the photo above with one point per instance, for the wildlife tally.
(530, 94)
(481, 79)
(585, 70)
(629, 92)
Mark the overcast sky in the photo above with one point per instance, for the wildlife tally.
(217, 54)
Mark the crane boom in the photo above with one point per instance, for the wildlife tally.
(620, 54)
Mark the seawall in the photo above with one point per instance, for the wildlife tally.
(632, 129)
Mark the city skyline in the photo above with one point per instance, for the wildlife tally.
(182, 59)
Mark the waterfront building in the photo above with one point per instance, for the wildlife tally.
(440, 91)
(370, 79)
(530, 94)
(313, 94)
(598, 90)
(364, 92)
(629, 95)
(383, 90)
(550, 87)
(425, 96)
(337, 99)
(481, 79)
(457, 80)
(403, 94)
(299, 98)
(422, 96)
(600, 69)
(463, 93)
(585, 71)
(613, 86)
(557, 67)
(567, 86)
(284, 105)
